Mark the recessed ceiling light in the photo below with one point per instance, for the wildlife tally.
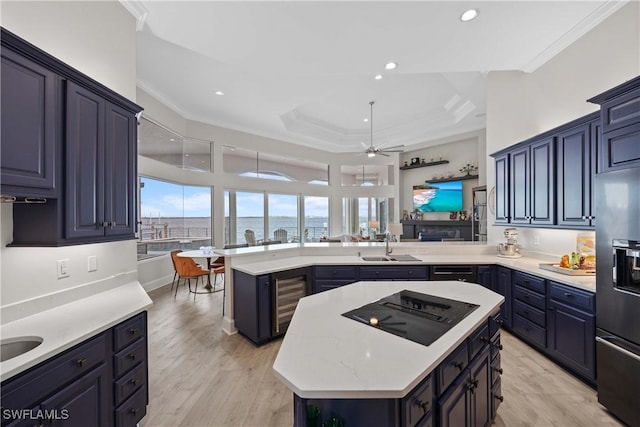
(378, 77)
(469, 15)
(390, 66)
(365, 119)
(172, 139)
(219, 92)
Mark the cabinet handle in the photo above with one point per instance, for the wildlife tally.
(568, 295)
(81, 363)
(498, 370)
(424, 405)
(484, 339)
(133, 411)
(500, 398)
(458, 365)
(113, 224)
(500, 322)
(132, 356)
(134, 382)
(133, 331)
(498, 346)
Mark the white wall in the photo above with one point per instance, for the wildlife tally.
(97, 38)
(521, 105)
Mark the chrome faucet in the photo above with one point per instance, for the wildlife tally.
(387, 249)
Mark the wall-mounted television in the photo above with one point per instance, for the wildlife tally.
(438, 197)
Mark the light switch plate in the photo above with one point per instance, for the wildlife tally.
(92, 263)
(63, 268)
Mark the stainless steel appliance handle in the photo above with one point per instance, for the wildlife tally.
(277, 307)
(618, 348)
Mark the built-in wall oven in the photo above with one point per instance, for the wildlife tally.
(287, 288)
(618, 293)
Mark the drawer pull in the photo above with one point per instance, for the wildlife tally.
(498, 346)
(500, 322)
(484, 339)
(81, 363)
(498, 370)
(134, 382)
(133, 331)
(423, 405)
(132, 356)
(500, 398)
(458, 365)
(133, 411)
(568, 295)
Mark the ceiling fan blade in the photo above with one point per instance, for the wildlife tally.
(364, 145)
(393, 151)
(391, 148)
(382, 154)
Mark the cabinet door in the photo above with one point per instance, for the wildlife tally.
(574, 177)
(454, 405)
(595, 166)
(85, 402)
(486, 276)
(28, 132)
(481, 390)
(502, 189)
(571, 338)
(263, 292)
(85, 163)
(120, 171)
(519, 188)
(542, 183)
(503, 287)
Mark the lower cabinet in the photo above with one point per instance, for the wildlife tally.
(85, 385)
(252, 306)
(326, 277)
(456, 394)
(503, 287)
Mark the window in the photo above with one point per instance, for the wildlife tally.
(366, 175)
(173, 216)
(316, 218)
(243, 211)
(364, 217)
(283, 217)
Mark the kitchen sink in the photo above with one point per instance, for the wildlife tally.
(375, 258)
(390, 258)
(14, 347)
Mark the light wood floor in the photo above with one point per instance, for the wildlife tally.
(199, 376)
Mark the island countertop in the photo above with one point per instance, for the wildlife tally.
(326, 355)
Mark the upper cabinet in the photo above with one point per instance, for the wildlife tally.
(28, 109)
(547, 181)
(69, 139)
(620, 118)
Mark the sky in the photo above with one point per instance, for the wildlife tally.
(164, 199)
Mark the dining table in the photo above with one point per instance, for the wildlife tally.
(206, 254)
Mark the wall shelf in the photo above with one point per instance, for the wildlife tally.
(453, 178)
(422, 165)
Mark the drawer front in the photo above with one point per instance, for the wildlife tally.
(530, 313)
(495, 322)
(496, 397)
(393, 273)
(528, 281)
(326, 285)
(529, 331)
(451, 367)
(496, 369)
(129, 331)
(530, 298)
(478, 340)
(130, 383)
(418, 402)
(620, 149)
(23, 390)
(129, 357)
(621, 111)
(133, 410)
(571, 296)
(336, 272)
(496, 346)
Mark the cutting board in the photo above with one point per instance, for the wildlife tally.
(568, 271)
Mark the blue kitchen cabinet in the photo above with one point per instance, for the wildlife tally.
(68, 138)
(577, 165)
(467, 402)
(29, 134)
(571, 329)
(501, 194)
(252, 306)
(395, 272)
(529, 308)
(87, 385)
(326, 277)
(486, 276)
(503, 287)
(532, 183)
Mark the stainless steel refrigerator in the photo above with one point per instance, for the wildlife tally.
(618, 293)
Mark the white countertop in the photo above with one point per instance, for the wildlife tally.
(69, 324)
(326, 355)
(524, 264)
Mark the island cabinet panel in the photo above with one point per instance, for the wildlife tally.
(252, 306)
(29, 97)
(416, 407)
(326, 277)
(503, 287)
(571, 329)
(87, 385)
(396, 272)
(576, 163)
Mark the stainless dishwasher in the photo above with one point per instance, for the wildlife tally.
(461, 273)
(288, 287)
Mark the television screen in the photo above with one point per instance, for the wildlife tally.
(438, 197)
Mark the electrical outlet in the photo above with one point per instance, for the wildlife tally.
(536, 240)
(92, 263)
(63, 268)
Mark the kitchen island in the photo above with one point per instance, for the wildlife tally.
(344, 368)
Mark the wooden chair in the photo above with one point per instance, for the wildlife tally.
(281, 235)
(219, 269)
(174, 255)
(187, 269)
(250, 237)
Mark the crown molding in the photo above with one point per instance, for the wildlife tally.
(138, 11)
(583, 27)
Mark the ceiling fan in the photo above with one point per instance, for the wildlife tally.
(372, 151)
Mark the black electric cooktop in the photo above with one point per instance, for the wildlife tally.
(417, 317)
